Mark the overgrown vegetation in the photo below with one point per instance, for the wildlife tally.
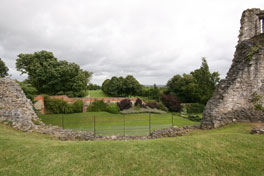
(28, 89)
(253, 51)
(59, 106)
(256, 99)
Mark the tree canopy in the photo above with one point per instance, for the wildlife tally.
(121, 87)
(198, 86)
(53, 77)
(3, 69)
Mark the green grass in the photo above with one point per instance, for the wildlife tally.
(228, 151)
(96, 94)
(113, 124)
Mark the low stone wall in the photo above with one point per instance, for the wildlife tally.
(257, 130)
(173, 131)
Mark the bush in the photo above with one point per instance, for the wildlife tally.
(162, 107)
(139, 103)
(97, 106)
(77, 106)
(113, 108)
(195, 118)
(152, 105)
(58, 106)
(125, 104)
(195, 108)
(172, 103)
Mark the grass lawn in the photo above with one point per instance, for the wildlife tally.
(96, 94)
(229, 150)
(116, 124)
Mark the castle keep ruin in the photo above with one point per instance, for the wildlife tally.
(240, 96)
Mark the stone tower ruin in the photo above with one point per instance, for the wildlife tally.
(240, 96)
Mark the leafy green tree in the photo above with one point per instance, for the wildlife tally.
(121, 87)
(51, 76)
(105, 86)
(93, 87)
(152, 92)
(183, 87)
(131, 86)
(198, 86)
(115, 86)
(205, 81)
(3, 69)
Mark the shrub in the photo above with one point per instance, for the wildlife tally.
(152, 105)
(55, 106)
(195, 108)
(77, 106)
(58, 106)
(125, 104)
(139, 103)
(162, 107)
(172, 103)
(195, 118)
(113, 108)
(97, 106)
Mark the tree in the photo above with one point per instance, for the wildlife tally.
(206, 81)
(114, 87)
(105, 86)
(198, 86)
(183, 87)
(3, 69)
(93, 87)
(131, 86)
(121, 87)
(51, 76)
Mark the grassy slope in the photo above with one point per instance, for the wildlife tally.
(112, 124)
(96, 94)
(226, 151)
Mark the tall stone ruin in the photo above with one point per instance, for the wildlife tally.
(240, 96)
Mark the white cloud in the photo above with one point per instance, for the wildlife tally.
(150, 39)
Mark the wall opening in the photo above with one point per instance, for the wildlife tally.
(261, 25)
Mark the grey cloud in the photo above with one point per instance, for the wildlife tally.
(150, 39)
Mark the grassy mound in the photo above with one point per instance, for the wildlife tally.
(226, 151)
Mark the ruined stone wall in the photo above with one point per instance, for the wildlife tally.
(15, 107)
(240, 96)
(17, 111)
(250, 24)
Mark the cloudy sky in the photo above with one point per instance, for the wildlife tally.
(150, 39)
